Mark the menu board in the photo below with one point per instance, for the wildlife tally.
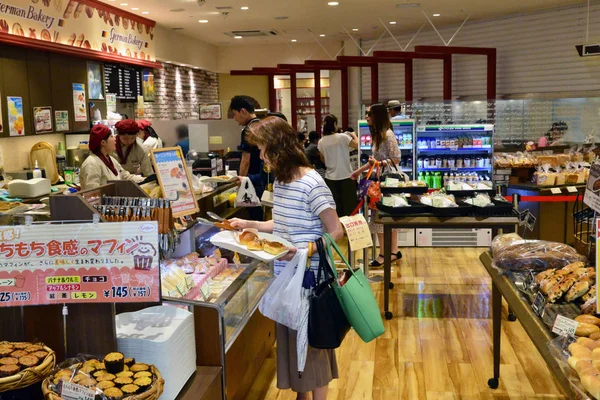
(123, 81)
(79, 263)
(175, 181)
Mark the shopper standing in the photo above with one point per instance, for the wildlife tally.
(303, 209)
(334, 149)
(385, 148)
(313, 154)
(394, 108)
(251, 165)
(130, 150)
(183, 138)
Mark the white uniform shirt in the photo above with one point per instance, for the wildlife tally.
(95, 173)
(153, 143)
(137, 159)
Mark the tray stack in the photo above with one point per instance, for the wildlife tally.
(162, 336)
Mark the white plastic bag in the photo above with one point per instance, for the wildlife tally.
(246, 195)
(282, 301)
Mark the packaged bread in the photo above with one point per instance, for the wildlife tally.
(551, 161)
(536, 255)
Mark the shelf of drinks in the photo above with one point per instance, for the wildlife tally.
(459, 150)
(363, 148)
(442, 169)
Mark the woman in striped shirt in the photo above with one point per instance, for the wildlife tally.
(303, 209)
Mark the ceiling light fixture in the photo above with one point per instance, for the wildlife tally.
(134, 9)
(354, 29)
(177, 9)
(237, 37)
(123, 4)
(167, 62)
(203, 21)
(145, 12)
(436, 15)
(322, 35)
(333, 3)
(244, 8)
(392, 22)
(294, 40)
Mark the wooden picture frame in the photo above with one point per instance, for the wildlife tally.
(210, 111)
(173, 175)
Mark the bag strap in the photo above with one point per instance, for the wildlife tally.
(331, 244)
(370, 171)
(323, 264)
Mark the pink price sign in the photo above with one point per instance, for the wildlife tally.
(78, 263)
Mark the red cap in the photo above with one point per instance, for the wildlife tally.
(98, 133)
(143, 124)
(127, 127)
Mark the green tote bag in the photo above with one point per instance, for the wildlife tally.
(357, 299)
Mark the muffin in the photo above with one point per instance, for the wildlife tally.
(88, 369)
(9, 361)
(5, 351)
(130, 390)
(87, 382)
(9, 370)
(58, 378)
(105, 385)
(100, 365)
(139, 367)
(125, 374)
(129, 361)
(79, 377)
(33, 348)
(64, 372)
(42, 354)
(19, 353)
(106, 377)
(114, 362)
(144, 383)
(99, 373)
(143, 374)
(123, 381)
(29, 361)
(113, 393)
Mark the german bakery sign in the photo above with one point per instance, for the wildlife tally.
(85, 24)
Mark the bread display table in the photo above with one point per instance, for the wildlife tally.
(496, 224)
(540, 335)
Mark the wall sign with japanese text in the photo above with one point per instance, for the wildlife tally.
(79, 263)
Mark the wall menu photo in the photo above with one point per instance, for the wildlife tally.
(94, 81)
(61, 119)
(79, 263)
(79, 102)
(175, 181)
(42, 119)
(16, 123)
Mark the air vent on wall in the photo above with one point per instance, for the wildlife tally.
(252, 33)
(224, 8)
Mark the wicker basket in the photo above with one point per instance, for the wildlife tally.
(584, 246)
(153, 393)
(29, 376)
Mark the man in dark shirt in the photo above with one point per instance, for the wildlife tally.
(251, 165)
(312, 153)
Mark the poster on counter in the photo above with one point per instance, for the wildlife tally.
(79, 263)
(61, 119)
(94, 81)
(357, 229)
(79, 102)
(16, 122)
(42, 119)
(211, 111)
(111, 102)
(592, 191)
(174, 180)
(148, 85)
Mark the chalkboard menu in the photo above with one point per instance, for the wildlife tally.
(123, 81)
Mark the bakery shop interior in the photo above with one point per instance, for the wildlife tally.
(260, 200)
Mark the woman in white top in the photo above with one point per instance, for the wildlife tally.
(148, 135)
(100, 167)
(334, 149)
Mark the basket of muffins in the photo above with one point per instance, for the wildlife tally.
(112, 378)
(22, 364)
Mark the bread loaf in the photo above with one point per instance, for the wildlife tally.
(544, 274)
(595, 335)
(585, 329)
(588, 319)
(578, 290)
(590, 344)
(591, 383)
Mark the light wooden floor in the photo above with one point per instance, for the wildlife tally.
(438, 345)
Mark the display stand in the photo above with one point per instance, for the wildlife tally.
(540, 335)
(206, 202)
(496, 224)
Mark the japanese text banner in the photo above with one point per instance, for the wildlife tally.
(75, 263)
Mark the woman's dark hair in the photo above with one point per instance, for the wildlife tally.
(380, 123)
(281, 149)
(152, 132)
(313, 136)
(329, 124)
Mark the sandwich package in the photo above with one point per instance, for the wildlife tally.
(515, 254)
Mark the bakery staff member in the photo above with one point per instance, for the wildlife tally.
(131, 152)
(148, 135)
(100, 167)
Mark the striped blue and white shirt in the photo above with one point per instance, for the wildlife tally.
(296, 209)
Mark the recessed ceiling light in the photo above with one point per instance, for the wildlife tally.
(333, 3)
(177, 9)
(282, 17)
(167, 62)
(203, 21)
(145, 12)
(392, 22)
(322, 35)
(135, 9)
(354, 29)
(245, 8)
(294, 40)
(124, 4)
(237, 37)
(436, 15)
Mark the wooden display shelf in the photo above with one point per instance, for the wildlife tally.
(205, 384)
